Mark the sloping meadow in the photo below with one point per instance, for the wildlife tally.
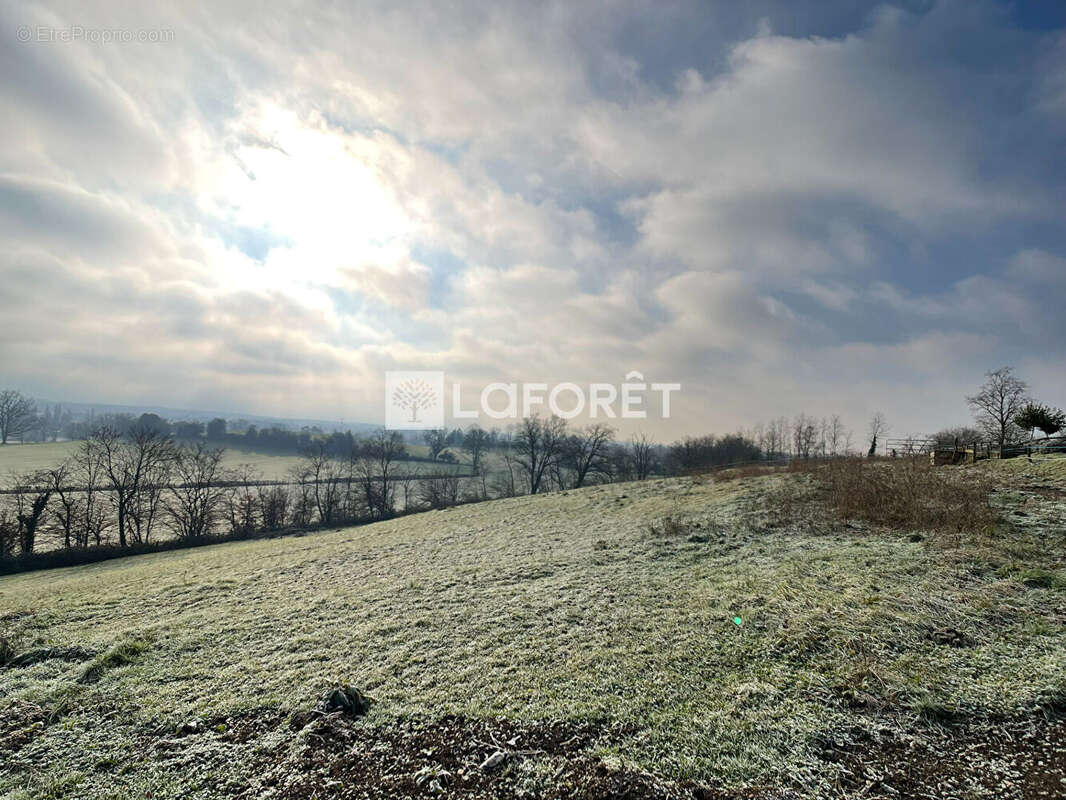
(715, 636)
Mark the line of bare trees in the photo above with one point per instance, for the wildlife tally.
(134, 489)
(544, 454)
(131, 489)
(128, 491)
(806, 437)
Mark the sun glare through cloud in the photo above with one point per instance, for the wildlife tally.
(320, 194)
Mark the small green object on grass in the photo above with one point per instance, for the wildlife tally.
(737, 621)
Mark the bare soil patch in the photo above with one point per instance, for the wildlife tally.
(1024, 759)
(334, 758)
(457, 757)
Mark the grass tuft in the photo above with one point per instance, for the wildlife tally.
(118, 655)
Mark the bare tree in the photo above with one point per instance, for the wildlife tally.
(878, 428)
(804, 435)
(538, 446)
(106, 451)
(68, 501)
(31, 493)
(957, 437)
(377, 472)
(474, 442)
(440, 490)
(835, 435)
(8, 534)
(774, 441)
(555, 475)
(89, 474)
(821, 444)
(642, 454)
(150, 454)
(408, 484)
(587, 452)
(136, 469)
(303, 504)
(767, 440)
(17, 414)
(997, 403)
(621, 462)
(194, 501)
(505, 483)
(242, 507)
(436, 440)
(352, 504)
(273, 506)
(325, 476)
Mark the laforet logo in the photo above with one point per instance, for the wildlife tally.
(414, 399)
(414, 394)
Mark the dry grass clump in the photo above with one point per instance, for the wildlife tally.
(668, 526)
(118, 655)
(749, 471)
(908, 493)
(8, 649)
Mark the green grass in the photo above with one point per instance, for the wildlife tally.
(559, 607)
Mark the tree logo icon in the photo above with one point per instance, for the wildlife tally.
(414, 400)
(414, 395)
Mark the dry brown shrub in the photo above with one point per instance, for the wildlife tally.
(907, 493)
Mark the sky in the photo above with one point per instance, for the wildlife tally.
(827, 207)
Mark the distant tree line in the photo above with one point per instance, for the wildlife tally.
(21, 420)
(134, 482)
(140, 486)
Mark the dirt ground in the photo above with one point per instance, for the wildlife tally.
(333, 757)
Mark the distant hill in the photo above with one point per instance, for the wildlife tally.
(82, 410)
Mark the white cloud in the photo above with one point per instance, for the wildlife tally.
(272, 209)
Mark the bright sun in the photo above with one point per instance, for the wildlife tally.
(318, 189)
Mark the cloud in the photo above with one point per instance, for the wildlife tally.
(403, 285)
(268, 211)
(1038, 268)
(67, 219)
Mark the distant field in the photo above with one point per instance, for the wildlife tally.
(28, 457)
(20, 458)
(647, 635)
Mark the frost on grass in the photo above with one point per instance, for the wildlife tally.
(581, 609)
